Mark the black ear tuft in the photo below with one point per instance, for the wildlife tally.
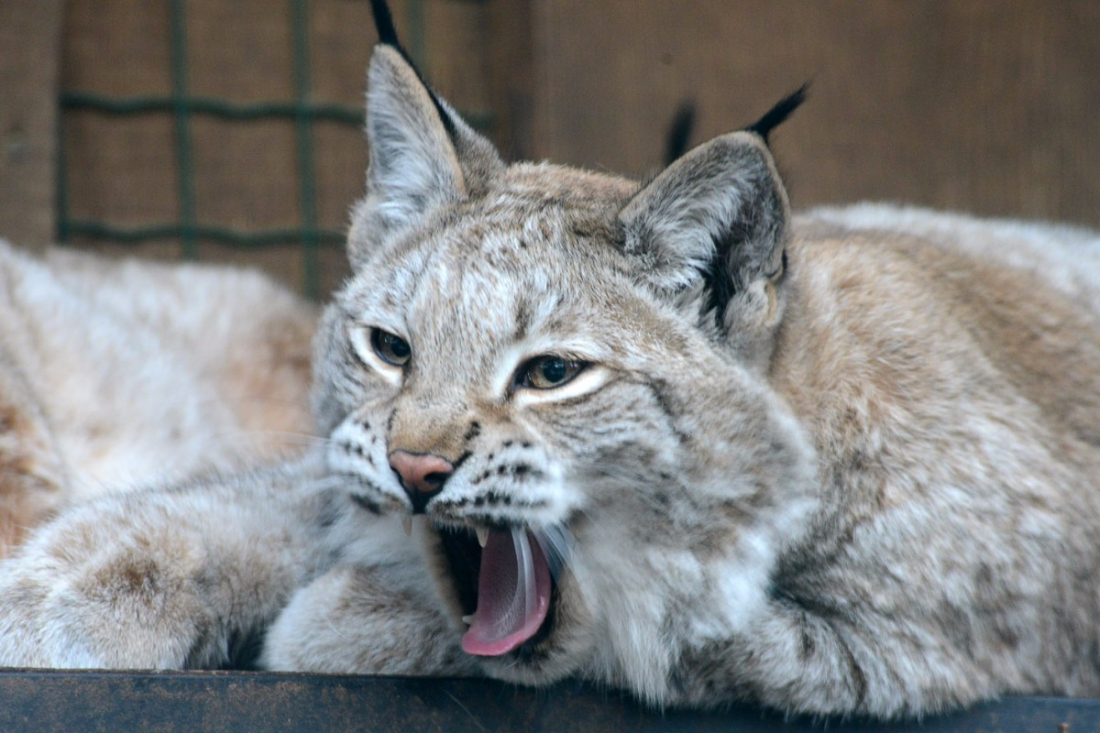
(387, 35)
(383, 21)
(778, 114)
(679, 132)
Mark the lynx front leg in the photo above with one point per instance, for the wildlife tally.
(800, 661)
(162, 578)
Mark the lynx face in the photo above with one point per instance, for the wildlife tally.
(529, 356)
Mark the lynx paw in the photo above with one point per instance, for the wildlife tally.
(81, 595)
(365, 621)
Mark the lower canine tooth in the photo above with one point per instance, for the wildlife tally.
(482, 535)
(468, 620)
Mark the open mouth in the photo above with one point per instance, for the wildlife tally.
(507, 587)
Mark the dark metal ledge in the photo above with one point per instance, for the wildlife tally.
(234, 701)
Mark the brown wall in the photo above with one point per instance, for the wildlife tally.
(29, 41)
(980, 105)
(123, 170)
(988, 106)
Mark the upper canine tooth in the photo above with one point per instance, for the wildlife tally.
(407, 524)
(482, 535)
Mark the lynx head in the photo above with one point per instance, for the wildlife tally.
(566, 366)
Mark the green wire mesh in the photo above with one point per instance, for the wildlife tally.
(182, 107)
(301, 111)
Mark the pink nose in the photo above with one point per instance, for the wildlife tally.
(421, 474)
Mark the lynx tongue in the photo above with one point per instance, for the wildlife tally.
(513, 594)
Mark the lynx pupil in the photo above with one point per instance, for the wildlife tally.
(548, 372)
(392, 349)
(554, 370)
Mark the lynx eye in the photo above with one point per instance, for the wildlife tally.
(391, 349)
(548, 372)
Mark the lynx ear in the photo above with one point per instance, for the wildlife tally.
(422, 154)
(413, 163)
(709, 231)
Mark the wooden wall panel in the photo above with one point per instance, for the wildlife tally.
(981, 105)
(123, 170)
(30, 34)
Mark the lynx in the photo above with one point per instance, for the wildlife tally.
(666, 436)
(114, 375)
